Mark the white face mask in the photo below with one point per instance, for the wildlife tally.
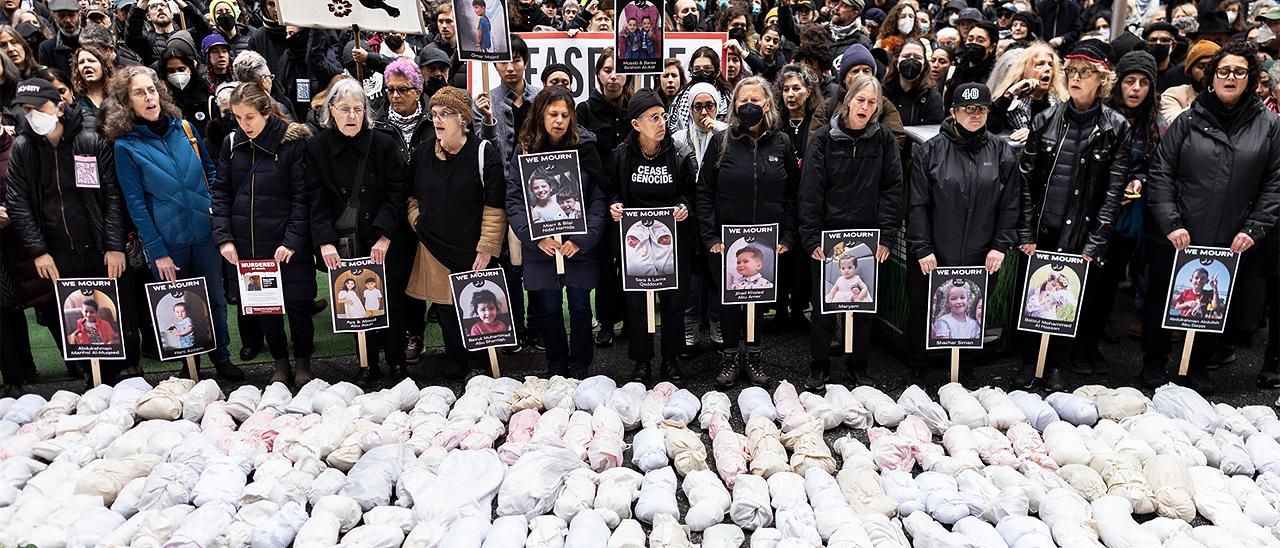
(180, 79)
(924, 28)
(951, 19)
(41, 122)
(1231, 17)
(905, 24)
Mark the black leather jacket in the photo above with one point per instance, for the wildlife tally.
(1095, 183)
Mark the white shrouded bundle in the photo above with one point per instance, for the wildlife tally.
(1252, 501)
(1085, 480)
(1073, 409)
(1115, 404)
(1265, 452)
(886, 412)
(546, 532)
(786, 488)
(708, 500)
(682, 407)
(751, 508)
(796, 522)
(578, 435)
(855, 414)
(768, 456)
(979, 532)
(1038, 412)
(686, 450)
(850, 535)
(753, 401)
(578, 495)
(724, 535)
(890, 451)
(560, 393)
(729, 449)
(884, 533)
(606, 446)
(473, 403)
(853, 452)
(668, 533)
(1070, 519)
(626, 402)
(927, 533)
(627, 535)
(1214, 501)
(1234, 459)
(654, 402)
(994, 447)
(942, 497)
(1178, 402)
(819, 408)
(337, 395)
(465, 487)
(767, 537)
(861, 487)
(830, 509)
(1029, 446)
(551, 427)
(531, 485)
(432, 400)
(901, 487)
(527, 396)
(989, 502)
(657, 495)
(961, 406)
(1025, 532)
(917, 402)
(373, 478)
(1124, 479)
(1002, 412)
(1066, 445)
(483, 434)
(593, 392)
(616, 489)
(587, 530)
(519, 432)
(241, 402)
(1170, 486)
(808, 449)
(163, 402)
(790, 410)
(1116, 527)
(649, 449)
(713, 403)
(961, 445)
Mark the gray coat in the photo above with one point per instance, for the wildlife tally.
(503, 131)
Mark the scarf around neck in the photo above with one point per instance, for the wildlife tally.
(406, 125)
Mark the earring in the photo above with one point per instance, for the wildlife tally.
(1211, 88)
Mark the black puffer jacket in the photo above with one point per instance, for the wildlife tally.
(148, 44)
(752, 181)
(964, 197)
(1215, 181)
(42, 189)
(850, 181)
(1094, 181)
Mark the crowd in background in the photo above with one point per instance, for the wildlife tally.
(221, 134)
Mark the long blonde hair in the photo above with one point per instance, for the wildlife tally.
(1025, 60)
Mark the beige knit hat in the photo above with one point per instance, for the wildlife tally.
(453, 99)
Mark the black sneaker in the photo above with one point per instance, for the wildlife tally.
(248, 353)
(819, 376)
(1088, 360)
(671, 371)
(1269, 379)
(604, 338)
(368, 377)
(1053, 379)
(755, 368)
(730, 368)
(641, 371)
(1026, 378)
(1223, 355)
(1154, 376)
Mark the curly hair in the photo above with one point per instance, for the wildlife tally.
(1026, 59)
(890, 27)
(405, 69)
(78, 83)
(1106, 75)
(117, 116)
(808, 79)
(533, 134)
(1238, 48)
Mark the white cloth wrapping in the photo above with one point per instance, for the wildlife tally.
(668, 533)
(482, 436)
(819, 408)
(654, 402)
(93, 401)
(617, 489)
(1234, 457)
(105, 478)
(855, 414)
(729, 449)
(593, 392)
(337, 395)
(1066, 445)
(587, 530)
(1116, 527)
(162, 402)
(198, 398)
(961, 406)
(751, 508)
(753, 401)
(465, 487)
(768, 456)
(578, 434)
(345, 509)
(830, 509)
(628, 534)
(578, 495)
(1178, 402)
(546, 532)
(1252, 502)
(861, 487)
(649, 449)
(853, 452)
(1073, 409)
(1070, 519)
(808, 448)
(551, 427)
(519, 432)
(1038, 412)
(796, 522)
(724, 535)
(901, 487)
(373, 478)
(1002, 412)
(787, 401)
(850, 535)
(507, 531)
(1115, 404)
(527, 396)
(203, 526)
(708, 500)
(786, 488)
(684, 448)
(1124, 479)
(1085, 480)
(401, 518)
(890, 451)
(1025, 532)
(242, 402)
(1029, 447)
(942, 497)
(606, 447)
(434, 400)
(767, 537)
(501, 391)
(657, 495)
(1214, 501)
(1170, 486)
(884, 533)
(385, 536)
(714, 403)
(560, 393)
(917, 402)
(989, 502)
(960, 444)
(927, 533)
(276, 396)
(626, 402)
(980, 533)
(531, 485)
(1265, 453)
(223, 479)
(884, 409)
(682, 407)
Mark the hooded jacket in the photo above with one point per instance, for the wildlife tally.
(850, 181)
(1217, 181)
(746, 180)
(1094, 183)
(44, 200)
(964, 197)
(260, 200)
(918, 106)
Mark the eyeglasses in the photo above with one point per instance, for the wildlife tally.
(441, 115)
(401, 90)
(1227, 73)
(1160, 40)
(974, 109)
(349, 111)
(1083, 73)
(657, 118)
(704, 107)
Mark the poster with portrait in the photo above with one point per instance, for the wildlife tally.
(957, 299)
(182, 318)
(850, 272)
(358, 291)
(1053, 294)
(483, 307)
(90, 319)
(638, 37)
(483, 31)
(649, 249)
(553, 194)
(261, 289)
(750, 263)
(1200, 289)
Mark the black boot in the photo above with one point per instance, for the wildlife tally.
(730, 368)
(229, 372)
(1154, 375)
(1269, 377)
(368, 377)
(283, 373)
(604, 338)
(855, 371)
(1026, 377)
(399, 371)
(1088, 360)
(641, 371)
(755, 369)
(1053, 379)
(819, 376)
(671, 371)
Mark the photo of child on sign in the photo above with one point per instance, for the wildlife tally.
(956, 309)
(483, 31)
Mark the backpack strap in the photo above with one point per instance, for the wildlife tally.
(195, 145)
(480, 161)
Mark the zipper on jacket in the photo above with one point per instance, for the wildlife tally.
(755, 180)
(1045, 199)
(253, 187)
(62, 200)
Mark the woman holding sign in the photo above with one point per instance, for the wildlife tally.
(1075, 167)
(852, 178)
(747, 177)
(551, 126)
(1216, 183)
(650, 171)
(456, 207)
(965, 192)
(260, 212)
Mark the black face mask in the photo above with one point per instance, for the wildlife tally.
(1160, 52)
(225, 22)
(975, 53)
(910, 69)
(737, 34)
(689, 22)
(434, 84)
(750, 114)
(708, 76)
(394, 42)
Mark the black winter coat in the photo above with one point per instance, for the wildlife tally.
(752, 181)
(919, 106)
(39, 175)
(332, 161)
(964, 197)
(609, 124)
(1096, 182)
(850, 182)
(1216, 182)
(681, 165)
(260, 200)
(149, 45)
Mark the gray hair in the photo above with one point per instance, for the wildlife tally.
(807, 78)
(771, 116)
(97, 35)
(250, 66)
(859, 82)
(573, 3)
(342, 89)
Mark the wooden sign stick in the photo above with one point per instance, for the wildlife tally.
(1044, 352)
(955, 365)
(96, 367)
(493, 363)
(192, 370)
(1186, 353)
(648, 298)
(362, 345)
(848, 332)
(559, 256)
(751, 322)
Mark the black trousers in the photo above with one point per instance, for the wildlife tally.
(1155, 340)
(733, 317)
(451, 332)
(794, 284)
(822, 327)
(301, 330)
(1100, 295)
(611, 304)
(15, 346)
(670, 309)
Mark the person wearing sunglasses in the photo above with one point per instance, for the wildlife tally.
(963, 210)
(1076, 166)
(1215, 182)
(651, 171)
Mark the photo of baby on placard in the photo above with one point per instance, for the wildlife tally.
(483, 308)
(849, 270)
(1052, 296)
(750, 263)
(182, 318)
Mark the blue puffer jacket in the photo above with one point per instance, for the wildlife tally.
(166, 187)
